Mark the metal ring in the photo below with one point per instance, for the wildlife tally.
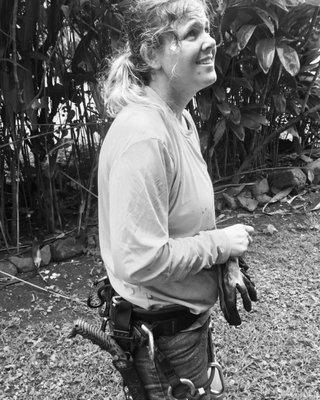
(186, 382)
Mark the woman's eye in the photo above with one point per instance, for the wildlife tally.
(191, 34)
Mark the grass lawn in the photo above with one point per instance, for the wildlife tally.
(273, 355)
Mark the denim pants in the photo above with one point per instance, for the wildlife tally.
(188, 355)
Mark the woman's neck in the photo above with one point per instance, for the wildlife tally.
(176, 101)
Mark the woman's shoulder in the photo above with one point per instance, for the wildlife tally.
(138, 120)
(135, 125)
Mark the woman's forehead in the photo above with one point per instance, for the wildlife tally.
(198, 17)
(193, 11)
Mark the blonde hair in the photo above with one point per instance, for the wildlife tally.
(147, 22)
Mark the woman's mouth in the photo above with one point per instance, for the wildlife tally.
(205, 61)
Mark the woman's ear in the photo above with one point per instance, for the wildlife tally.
(150, 56)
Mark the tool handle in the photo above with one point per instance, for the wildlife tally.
(133, 387)
(98, 337)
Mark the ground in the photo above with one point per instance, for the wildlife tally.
(273, 355)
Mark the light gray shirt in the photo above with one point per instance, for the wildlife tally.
(156, 212)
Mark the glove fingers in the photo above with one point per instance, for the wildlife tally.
(252, 293)
(251, 288)
(231, 307)
(228, 300)
(221, 292)
(245, 297)
(242, 264)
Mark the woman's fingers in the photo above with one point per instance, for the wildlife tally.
(240, 238)
(248, 228)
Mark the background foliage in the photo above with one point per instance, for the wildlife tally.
(52, 122)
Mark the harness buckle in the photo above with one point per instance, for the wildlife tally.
(187, 382)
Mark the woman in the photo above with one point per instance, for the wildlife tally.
(156, 206)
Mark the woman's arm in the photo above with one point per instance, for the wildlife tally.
(142, 251)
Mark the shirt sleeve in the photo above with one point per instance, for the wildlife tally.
(142, 251)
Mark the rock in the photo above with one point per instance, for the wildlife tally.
(65, 249)
(270, 229)
(45, 255)
(8, 267)
(219, 203)
(261, 187)
(274, 190)
(306, 158)
(314, 169)
(230, 201)
(263, 198)
(234, 191)
(23, 264)
(247, 202)
(293, 177)
(92, 237)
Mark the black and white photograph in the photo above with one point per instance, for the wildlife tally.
(159, 199)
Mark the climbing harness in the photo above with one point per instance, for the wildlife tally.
(125, 327)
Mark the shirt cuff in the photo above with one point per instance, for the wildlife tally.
(223, 246)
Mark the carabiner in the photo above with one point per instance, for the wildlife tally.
(95, 300)
(215, 366)
(116, 300)
(150, 341)
(186, 382)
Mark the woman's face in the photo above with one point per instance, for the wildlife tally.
(188, 66)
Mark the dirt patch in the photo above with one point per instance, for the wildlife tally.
(72, 279)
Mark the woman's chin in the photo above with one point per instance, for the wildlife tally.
(209, 80)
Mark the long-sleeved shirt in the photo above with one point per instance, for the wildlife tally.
(156, 212)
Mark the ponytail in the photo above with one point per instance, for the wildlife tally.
(120, 85)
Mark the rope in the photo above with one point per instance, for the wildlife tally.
(78, 301)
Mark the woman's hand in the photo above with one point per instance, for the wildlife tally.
(239, 236)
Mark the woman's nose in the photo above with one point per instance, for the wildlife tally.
(209, 42)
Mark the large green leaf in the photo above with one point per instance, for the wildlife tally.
(219, 92)
(238, 130)
(265, 50)
(289, 58)
(266, 18)
(249, 123)
(281, 3)
(224, 108)
(204, 102)
(219, 131)
(244, 35)
(279, 102)
(235, 115)
(253, 120)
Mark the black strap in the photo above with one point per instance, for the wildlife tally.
(121, 314)
(131, 380)
(179, 390)
(167, 321)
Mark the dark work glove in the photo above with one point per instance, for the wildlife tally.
(233, 276)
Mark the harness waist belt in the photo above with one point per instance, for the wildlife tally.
(166, 321)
